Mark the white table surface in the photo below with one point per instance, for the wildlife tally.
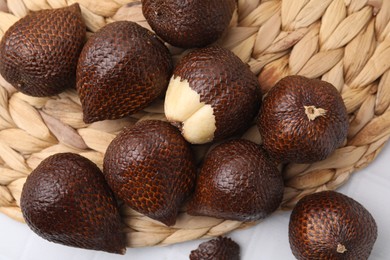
(267, 240)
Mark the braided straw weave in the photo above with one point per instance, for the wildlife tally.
(345, 42)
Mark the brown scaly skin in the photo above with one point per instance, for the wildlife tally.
(151, 168)
(123, 68)
(66, 200)
(288, 135)
(39, 53)
(226, 83)
(321, 224)
(220, 248)
(237, 181)
(189, 23)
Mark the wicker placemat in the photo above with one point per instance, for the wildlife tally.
(345, 42)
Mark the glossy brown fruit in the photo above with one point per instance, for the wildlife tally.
(212, 95)
(330, 225)
(237, 181)
(151, 168)
(66, 200)
(189, 23)
(123, 68)
(220, 248)
(39, 53)
(302, 120)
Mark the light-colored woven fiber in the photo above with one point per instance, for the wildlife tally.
(345, 42)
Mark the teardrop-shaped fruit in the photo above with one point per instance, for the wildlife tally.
(189, 23)
(237, 181)
(212, 95)
(151, 168)
(123, 68)
(220, 248)
(66, 200)
(302, 120)
(330, 225)
(39, 53)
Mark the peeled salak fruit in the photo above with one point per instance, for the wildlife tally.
(212, 95)
(39, 53)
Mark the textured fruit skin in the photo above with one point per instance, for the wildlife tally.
(189, 23)
(122, 68)
(226, 83)
(321, 221)
(221, 248)
(151, 168)
(288, 135)
(39, 53)
(237, 181)
(66, 200)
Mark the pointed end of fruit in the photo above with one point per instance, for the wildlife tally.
(122, 251)
(119, 250)
(169, 222)
(88, 119)
(168, 218)
(166, 214)
(75, 8)
(115, 243)
(183, 108)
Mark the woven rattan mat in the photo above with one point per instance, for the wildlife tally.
(345, 42)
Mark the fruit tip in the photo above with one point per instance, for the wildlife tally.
(75, 8)
(89, 119)
(168, 221)
(122, 251)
